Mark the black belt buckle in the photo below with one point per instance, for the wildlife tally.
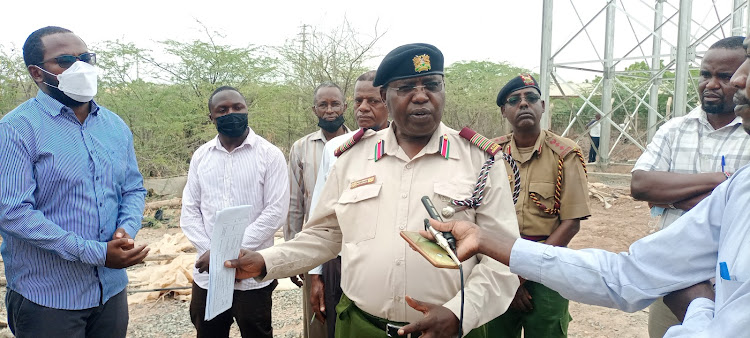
(392, 330)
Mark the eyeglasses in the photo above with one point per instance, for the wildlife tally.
(433, 86)
(324, 105)
(531, 98)
(67, 60)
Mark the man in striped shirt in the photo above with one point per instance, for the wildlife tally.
(235, 168)
(690, 155)
(71, 199)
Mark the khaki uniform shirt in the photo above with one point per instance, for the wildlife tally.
(304, 161)
(539, 171)
(364, 221)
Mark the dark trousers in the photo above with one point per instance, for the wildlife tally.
(592, 151)
(332, 280)
(28, 319)
(251, 309)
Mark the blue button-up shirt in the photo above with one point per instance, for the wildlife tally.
(65, 187)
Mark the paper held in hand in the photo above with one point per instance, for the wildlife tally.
(226, 241)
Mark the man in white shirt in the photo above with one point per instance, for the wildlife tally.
(595, 133)
(690, 155)
(235, 168)
(710, 240)
(370, 112)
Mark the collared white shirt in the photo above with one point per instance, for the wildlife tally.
(252, 174)
(711, 240)
(326, 162)
(690, 145)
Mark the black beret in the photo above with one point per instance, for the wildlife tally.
(412, 60)
(519, 82)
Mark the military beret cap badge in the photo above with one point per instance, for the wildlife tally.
(421, 63)
(519, 82)
(407, 61)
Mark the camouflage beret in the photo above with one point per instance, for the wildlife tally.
(407, 61)
(519, 82)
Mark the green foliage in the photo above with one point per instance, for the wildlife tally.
(162, 94)
(15, 84)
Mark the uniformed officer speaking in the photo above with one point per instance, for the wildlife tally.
(373, 192)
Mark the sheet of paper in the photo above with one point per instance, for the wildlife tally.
(226, 241)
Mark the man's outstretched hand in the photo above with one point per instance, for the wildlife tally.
(467, 234)
(249, 264)
(438, 321)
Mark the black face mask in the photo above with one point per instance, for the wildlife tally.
(232, 125)
(331, 126)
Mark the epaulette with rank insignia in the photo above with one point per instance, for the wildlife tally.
(502, 139)
(480, 141)
(351, 142)
(559, 144)
(492, 148)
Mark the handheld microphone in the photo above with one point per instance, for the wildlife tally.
(436, 216)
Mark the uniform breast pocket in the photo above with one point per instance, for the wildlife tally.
(544, 194)
(445, 192)
(357, 212)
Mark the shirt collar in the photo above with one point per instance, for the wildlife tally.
(250, 141)
(433, 146)
(318, 135)
(513, 151)
(699, 114)
(54, 107)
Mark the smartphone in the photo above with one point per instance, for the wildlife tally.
(436, 255)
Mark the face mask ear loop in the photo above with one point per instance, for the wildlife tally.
(44, 70)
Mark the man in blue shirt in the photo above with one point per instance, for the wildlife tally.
(71, 199)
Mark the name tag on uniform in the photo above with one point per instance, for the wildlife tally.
(364, 181)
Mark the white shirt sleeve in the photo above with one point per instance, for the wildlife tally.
(325, 166)
(191, 218)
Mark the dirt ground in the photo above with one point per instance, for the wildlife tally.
(613, 229)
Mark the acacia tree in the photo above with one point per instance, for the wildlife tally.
(317, 56)
(15, 84)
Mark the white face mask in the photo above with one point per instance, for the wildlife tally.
(79, 81)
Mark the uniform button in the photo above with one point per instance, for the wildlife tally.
(398, 262)
(100, 204)
(101, 231)
(97, 178)
(408, 166)
(402, 226)
(404, 195)
(398, 299)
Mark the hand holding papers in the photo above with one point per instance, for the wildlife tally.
(226, 241)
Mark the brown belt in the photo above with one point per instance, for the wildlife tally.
(535, 238)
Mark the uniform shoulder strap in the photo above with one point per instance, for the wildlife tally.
(349, 143)
(502, 139)
(560, 145)
(480, 141)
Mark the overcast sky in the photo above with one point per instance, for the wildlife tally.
(464, 30)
